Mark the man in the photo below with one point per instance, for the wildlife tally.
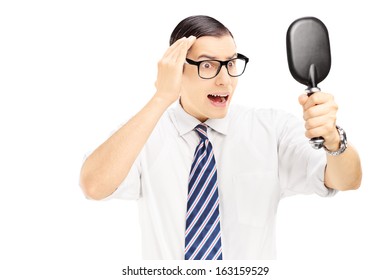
(208, 178)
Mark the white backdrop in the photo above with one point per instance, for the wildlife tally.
(72, 71)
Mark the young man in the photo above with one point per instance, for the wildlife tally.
(208, 178)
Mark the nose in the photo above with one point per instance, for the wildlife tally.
(223, 77)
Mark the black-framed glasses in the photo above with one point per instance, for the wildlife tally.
(208, 69)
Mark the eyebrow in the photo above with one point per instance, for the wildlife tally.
(209, 57)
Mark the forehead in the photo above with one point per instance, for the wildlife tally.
(217, 47)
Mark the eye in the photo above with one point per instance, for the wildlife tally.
(232, 63)
(207, 65)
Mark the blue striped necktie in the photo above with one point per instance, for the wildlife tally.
(203, 231)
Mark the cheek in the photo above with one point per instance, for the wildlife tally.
(193, 87)
(190, 73)
(234, 83)
(188, 78)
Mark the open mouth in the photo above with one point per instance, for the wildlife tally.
(218, 98)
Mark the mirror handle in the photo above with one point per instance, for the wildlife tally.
(316, 142)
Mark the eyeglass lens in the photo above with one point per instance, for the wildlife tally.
(210, 68)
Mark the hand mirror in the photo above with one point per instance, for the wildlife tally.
(308, 54)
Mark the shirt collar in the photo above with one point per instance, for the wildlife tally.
(185, 123)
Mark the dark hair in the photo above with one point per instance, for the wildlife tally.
(199, 26)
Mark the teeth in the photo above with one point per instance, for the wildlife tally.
(217, 95)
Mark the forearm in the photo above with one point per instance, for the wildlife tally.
(104, 170)
(344, 172)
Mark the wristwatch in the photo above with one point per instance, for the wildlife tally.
(343, 143)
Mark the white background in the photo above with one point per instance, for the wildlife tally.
(72, 71)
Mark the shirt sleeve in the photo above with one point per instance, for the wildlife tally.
(130, 188)
(301, 168)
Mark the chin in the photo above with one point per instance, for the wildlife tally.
(218, 115)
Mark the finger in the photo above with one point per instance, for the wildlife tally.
(174, 46)
(183, 49)
(179, 44)
(315, 132)
(328, 122)
(319, 110)
(326, 131)
(191, 40)
(180, 51)
(317, 99)
(302, 99)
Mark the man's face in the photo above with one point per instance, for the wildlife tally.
(205, 98)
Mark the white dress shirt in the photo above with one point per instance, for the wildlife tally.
(261, 155)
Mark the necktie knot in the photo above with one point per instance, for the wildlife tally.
(201, 129)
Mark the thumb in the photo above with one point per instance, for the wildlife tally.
(302, 99)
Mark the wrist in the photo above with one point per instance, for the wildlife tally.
(161, 99)
(332, 143)
(341, 146)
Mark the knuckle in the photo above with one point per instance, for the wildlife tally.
(164, 63)
(309, 124)
(310, 113)
(161, 62)
(316, 98)
(330, 126)
(309, 134)
(327, 128)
